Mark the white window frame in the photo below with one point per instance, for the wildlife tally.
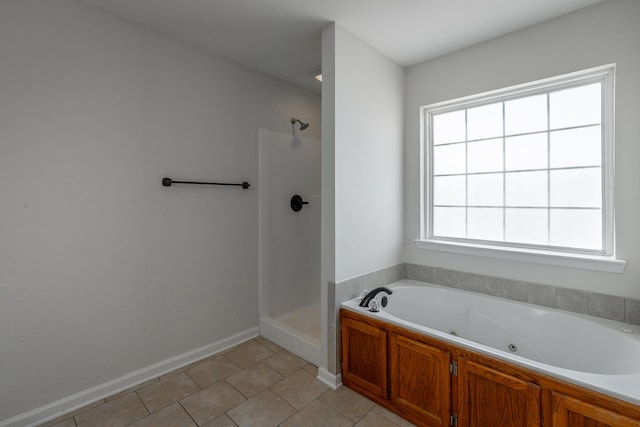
(594, 260)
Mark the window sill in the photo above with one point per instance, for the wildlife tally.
(586, 262)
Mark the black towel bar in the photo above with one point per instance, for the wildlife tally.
(167, 182)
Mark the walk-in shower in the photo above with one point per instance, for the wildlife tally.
(289, 187)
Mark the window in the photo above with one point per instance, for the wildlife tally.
(527, 169)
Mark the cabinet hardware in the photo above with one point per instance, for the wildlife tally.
(453, 421)
(453, 368)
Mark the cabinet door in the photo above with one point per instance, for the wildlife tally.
(571, 412)
(420, 382)
(488, 398)
(364, 358)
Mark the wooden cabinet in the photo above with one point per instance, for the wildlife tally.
(414, 376)
(364, 358)
(419, 381)
(487, 397)
(571, 412)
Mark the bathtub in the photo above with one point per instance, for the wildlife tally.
(600, 354)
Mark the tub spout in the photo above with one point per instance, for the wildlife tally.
(371, 295)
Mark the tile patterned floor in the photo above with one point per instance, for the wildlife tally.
(254, 384)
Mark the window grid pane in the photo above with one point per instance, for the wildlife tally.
(484, 196)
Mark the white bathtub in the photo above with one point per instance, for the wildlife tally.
(600, 354)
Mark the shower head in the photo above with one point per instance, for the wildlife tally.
(303, 125)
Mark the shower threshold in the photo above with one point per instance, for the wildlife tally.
(297, 331)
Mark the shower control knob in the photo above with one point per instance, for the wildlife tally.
(297, 203)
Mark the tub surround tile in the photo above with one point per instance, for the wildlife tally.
(488, 285)
(331, 292)
(347, 291)
(451, 278)
(606, 306)
(335, 351)
(332, 353)
(354, 287)
(573, 300)
(390, 275)
(119, 412)
(531, 293)
(421, 273)
(333, 310)
(479, 284)
(632, 311)
(544, 295)
(576, 301)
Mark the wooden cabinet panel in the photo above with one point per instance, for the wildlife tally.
(488, 398)
(364, 357)
(572, 412)
(408, 373)
(420, 382)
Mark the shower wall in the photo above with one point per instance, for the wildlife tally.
(290, 241)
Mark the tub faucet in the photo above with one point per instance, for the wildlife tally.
(371, 295)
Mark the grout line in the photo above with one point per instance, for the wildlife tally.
(290, 416)
(188, 414)
(194, 381)
(142, 400)
(229, 416)
(241, 393)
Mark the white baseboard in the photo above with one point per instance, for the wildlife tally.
(333, 381)
(78, 400)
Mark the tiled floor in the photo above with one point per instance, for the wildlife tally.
(254, 384)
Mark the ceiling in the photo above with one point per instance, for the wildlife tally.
(282, 38)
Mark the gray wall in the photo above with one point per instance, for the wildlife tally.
(601, 34)
(102, 270)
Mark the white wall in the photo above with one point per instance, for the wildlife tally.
(368, 157)
(601, 34)
(328, 185)
(290, 241)
(362, 179)
(102, 270)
